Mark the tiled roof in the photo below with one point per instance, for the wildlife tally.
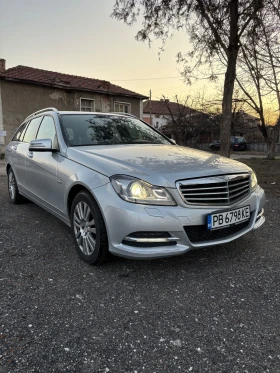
(65, 81)
(160, 107)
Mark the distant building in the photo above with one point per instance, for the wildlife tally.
(24, 90)
(160, 113)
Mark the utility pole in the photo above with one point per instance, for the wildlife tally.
(151, 124)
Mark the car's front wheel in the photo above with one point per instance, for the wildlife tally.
(15, 197)
(88, 229)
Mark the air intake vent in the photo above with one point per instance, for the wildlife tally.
(200, 233)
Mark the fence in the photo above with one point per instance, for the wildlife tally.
(262, 147)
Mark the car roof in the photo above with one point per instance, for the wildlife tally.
(54, 110)
(92, 112)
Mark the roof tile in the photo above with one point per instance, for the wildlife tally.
(160, 107)
(66, 81)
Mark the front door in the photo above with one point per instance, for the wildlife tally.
(41, 167)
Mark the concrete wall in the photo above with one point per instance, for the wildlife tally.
(1, 121)
(22, 99)
(262, 147)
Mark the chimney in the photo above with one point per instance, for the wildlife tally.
(2, 65)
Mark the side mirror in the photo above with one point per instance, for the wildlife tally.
(173, 141)
(44, 145)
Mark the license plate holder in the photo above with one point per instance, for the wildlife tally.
(224, 219)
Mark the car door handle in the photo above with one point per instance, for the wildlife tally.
(30, 154)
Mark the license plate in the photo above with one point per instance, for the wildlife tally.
(226, 219)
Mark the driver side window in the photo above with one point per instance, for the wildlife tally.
(47, 129)
(31, 130)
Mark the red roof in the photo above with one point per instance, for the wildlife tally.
(160, 107)
(65, 81)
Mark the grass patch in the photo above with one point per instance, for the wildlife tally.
(268, 173)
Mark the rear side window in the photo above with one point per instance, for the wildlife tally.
(23, 131)
(238, 140)
(32, 129)
(19, 133)
(47, 129)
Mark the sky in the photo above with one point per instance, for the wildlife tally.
(79, 37)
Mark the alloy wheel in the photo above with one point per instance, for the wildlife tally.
(84, 228)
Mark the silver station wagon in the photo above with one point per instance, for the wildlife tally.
(126, 189)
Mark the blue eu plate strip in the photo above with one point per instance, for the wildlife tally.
(209, 225)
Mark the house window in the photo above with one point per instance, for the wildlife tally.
(122, 107)
(156, 124)
(157, 116)
(86, 104)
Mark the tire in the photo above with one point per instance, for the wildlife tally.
(88, 229)
(15, 197)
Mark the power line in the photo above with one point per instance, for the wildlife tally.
(131, 80)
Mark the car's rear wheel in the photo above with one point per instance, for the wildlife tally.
(15, 197)
(88, 229)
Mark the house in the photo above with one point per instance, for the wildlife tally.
(24, 90)
(180, 122)
(190, 127)
(157, 113)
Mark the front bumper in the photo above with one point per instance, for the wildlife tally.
(123, 219)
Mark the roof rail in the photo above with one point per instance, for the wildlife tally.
(126, 114)
(43, 110)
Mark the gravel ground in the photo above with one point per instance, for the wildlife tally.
(211, 310)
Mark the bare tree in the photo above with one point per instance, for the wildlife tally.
(185, 122)
(259, 73)
(216, 29)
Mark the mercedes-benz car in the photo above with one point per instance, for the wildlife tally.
(126, 189)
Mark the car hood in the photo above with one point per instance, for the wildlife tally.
(160, 165)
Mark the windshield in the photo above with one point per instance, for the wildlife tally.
(98, 129)
(237, 140)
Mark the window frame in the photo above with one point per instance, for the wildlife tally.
(122, 103)
(89, 99)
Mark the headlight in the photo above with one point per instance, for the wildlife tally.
(254, 181)
(139, 191)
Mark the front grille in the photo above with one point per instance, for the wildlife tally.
(218, 190)
(200, 233)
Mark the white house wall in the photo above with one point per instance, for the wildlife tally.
(162, 120)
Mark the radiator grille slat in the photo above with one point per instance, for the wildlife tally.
(219, 190)
(243, 187)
